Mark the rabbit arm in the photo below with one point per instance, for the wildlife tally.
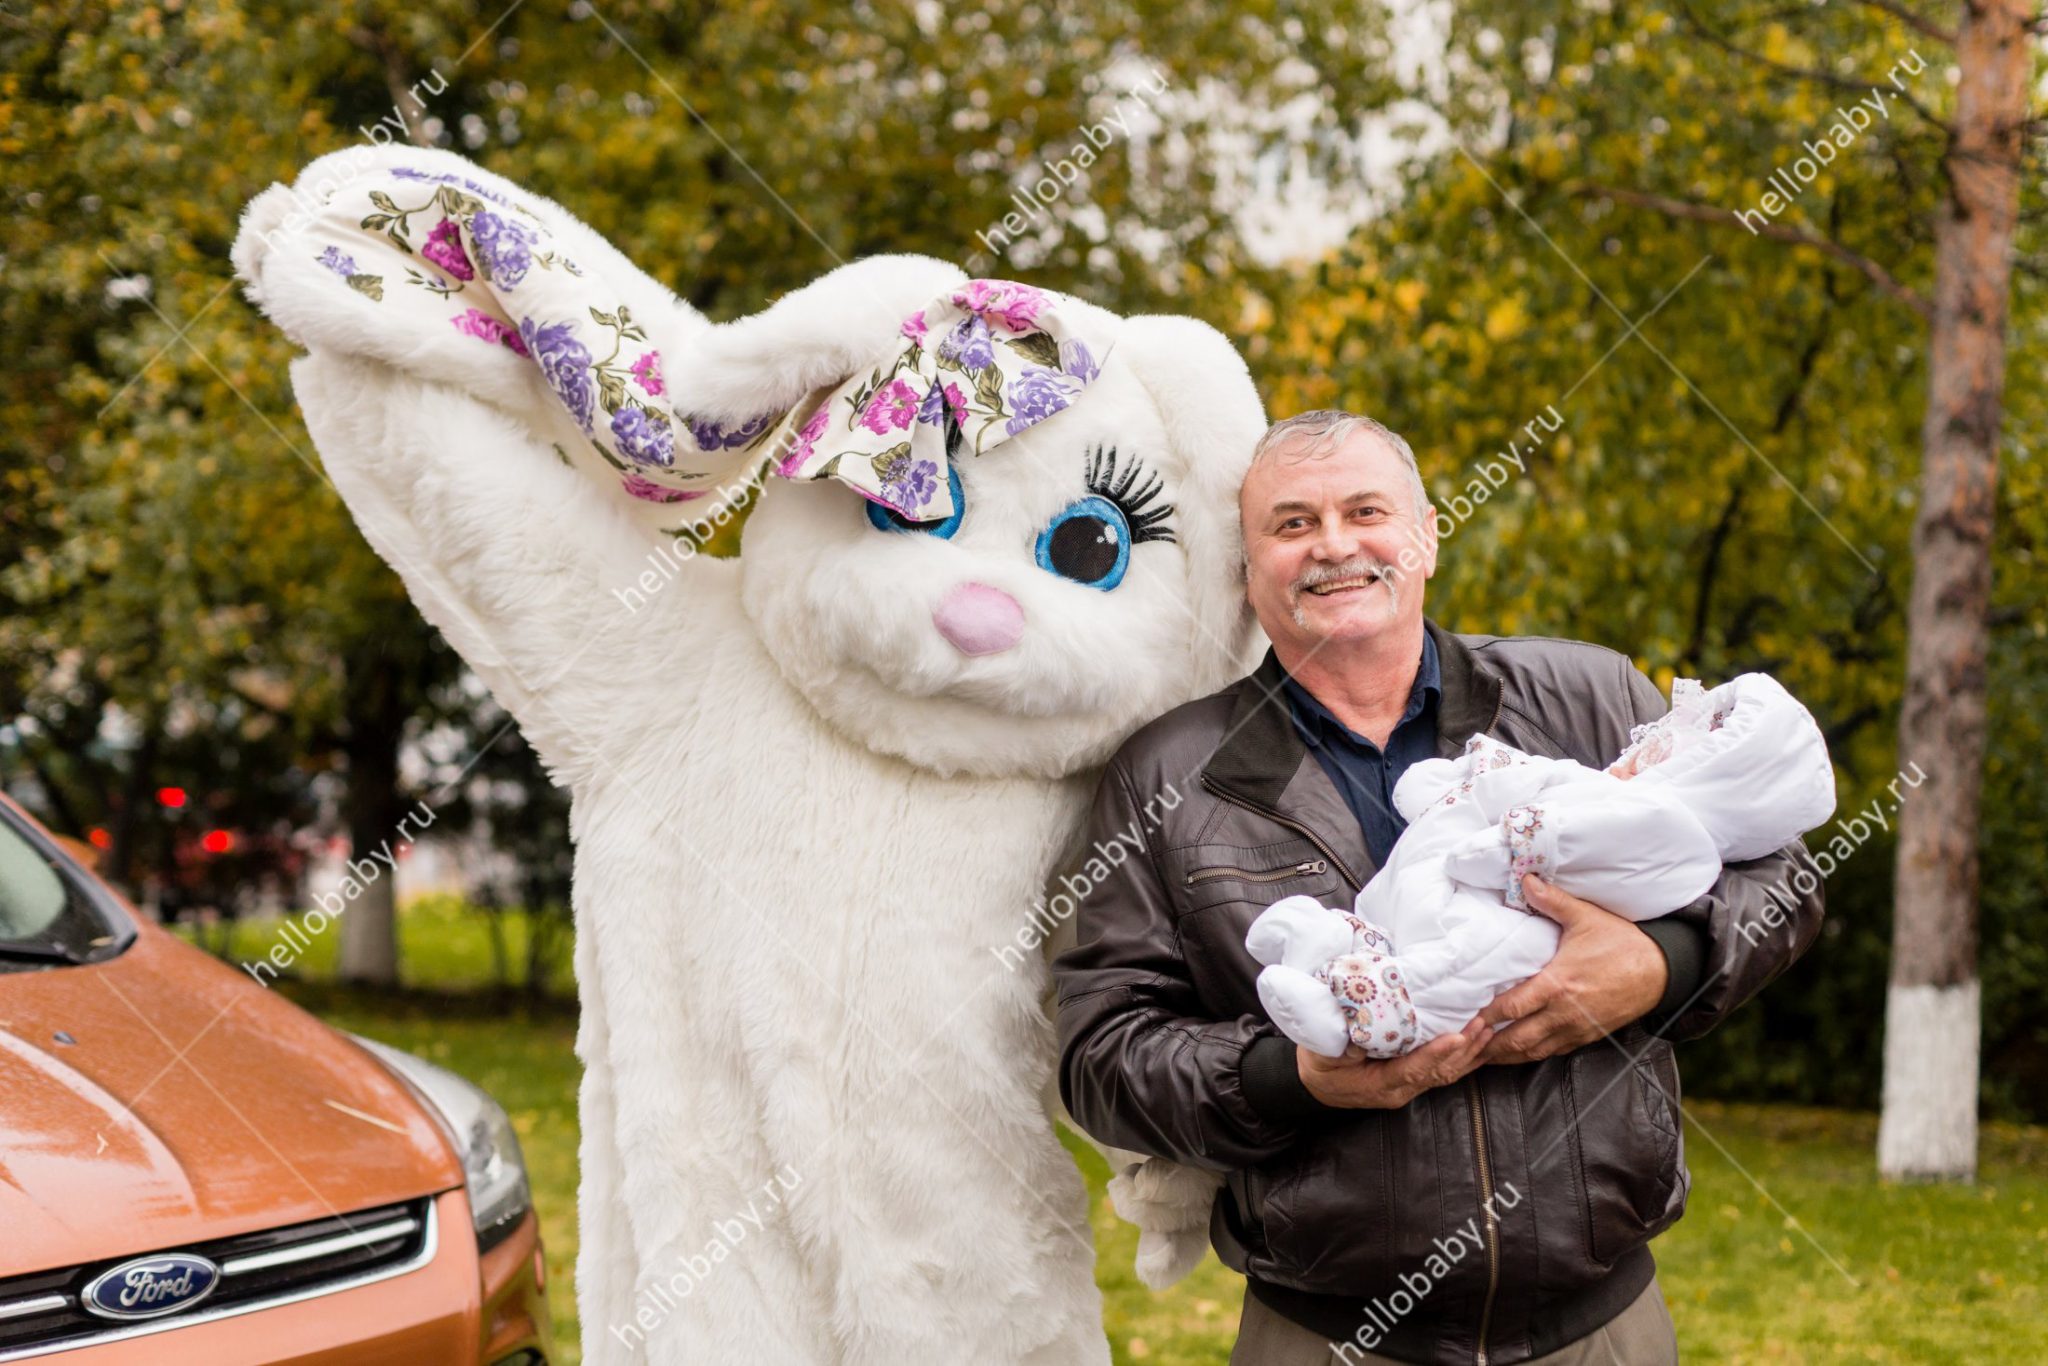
(528, 567)
(486, 384)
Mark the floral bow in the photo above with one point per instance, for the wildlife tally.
(458, 257)
(989, 359)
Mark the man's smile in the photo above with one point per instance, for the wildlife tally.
(1324, 590)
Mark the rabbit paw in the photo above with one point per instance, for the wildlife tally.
(1165, 1258)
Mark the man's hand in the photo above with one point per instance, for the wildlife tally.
(1607, 974)
(1356, 1082)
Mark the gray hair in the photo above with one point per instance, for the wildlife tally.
(1325, 430)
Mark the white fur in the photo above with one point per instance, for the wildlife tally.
(802, 820)
(1171, 1204)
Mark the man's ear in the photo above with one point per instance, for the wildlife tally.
(810, 338)
(1213, 417)
(1424, 541)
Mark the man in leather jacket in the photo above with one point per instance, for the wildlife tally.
(1488, 1198)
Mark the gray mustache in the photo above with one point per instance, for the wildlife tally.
(1359, 566)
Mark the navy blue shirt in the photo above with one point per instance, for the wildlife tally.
(1364, 773)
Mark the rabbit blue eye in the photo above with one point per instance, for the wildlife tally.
(1088, 542)
(888, 519)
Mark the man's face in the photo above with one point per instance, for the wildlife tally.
(1334, 552)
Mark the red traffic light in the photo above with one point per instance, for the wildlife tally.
(173, 797)
(217, 841)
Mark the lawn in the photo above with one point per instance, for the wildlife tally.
(1791, 1250)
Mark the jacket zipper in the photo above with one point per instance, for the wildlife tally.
(1309, 868)
(1311, 836)
(1492, 1224)
(1492, 1220)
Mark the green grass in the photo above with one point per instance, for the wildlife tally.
(1940, 1273)
(444, 945)
(1791, 1251)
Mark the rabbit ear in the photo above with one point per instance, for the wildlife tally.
(988, 358)
(354, 257)
(1214, 418)
(810, 339)
(446, 273)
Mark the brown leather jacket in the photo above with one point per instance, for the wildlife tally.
(1490, 1221)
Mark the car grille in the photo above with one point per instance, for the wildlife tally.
(42, 1312)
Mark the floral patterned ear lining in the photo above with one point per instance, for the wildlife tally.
(990, 358)
(993, 357)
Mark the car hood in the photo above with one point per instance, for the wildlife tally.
(162, 1098)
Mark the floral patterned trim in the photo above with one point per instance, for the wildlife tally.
(1366, 935)
(1372, 993)
(983, 363)
(1007, 357)
(1481, 753)
(1651, 743)
(493, 264)
(1531, 846)
(344, 265)
(474, 322)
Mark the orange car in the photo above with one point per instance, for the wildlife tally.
(192, 1169)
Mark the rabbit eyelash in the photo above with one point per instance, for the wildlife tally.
(1132, 490)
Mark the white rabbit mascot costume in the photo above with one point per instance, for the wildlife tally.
(817, 787)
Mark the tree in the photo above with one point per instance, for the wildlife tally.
(1933, 1010)
(1932, 1020)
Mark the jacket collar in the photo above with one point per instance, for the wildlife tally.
(1471, 693)
(1262, 759)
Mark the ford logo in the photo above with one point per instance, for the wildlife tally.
(150, 1287)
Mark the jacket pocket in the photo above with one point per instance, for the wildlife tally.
(1623, 1111)
(1306, 868)
(1205, 875)
(1327, 1215)
(1221, 890)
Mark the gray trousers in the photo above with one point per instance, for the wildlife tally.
(1640, 1335)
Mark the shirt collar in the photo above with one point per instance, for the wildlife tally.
(1318, 724)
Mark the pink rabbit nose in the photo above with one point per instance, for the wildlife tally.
(978, 619)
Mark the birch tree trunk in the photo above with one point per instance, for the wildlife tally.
(1929, 1126)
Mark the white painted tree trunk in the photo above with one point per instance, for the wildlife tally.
(1930, 1084)
(1929, 1129)
(369, 934)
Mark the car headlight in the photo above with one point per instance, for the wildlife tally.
(492, 1165)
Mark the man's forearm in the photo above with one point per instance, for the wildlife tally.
(1754, 923)
(1684, 946)
(1141, 1078)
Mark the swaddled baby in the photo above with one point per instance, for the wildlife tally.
(1727, 775)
